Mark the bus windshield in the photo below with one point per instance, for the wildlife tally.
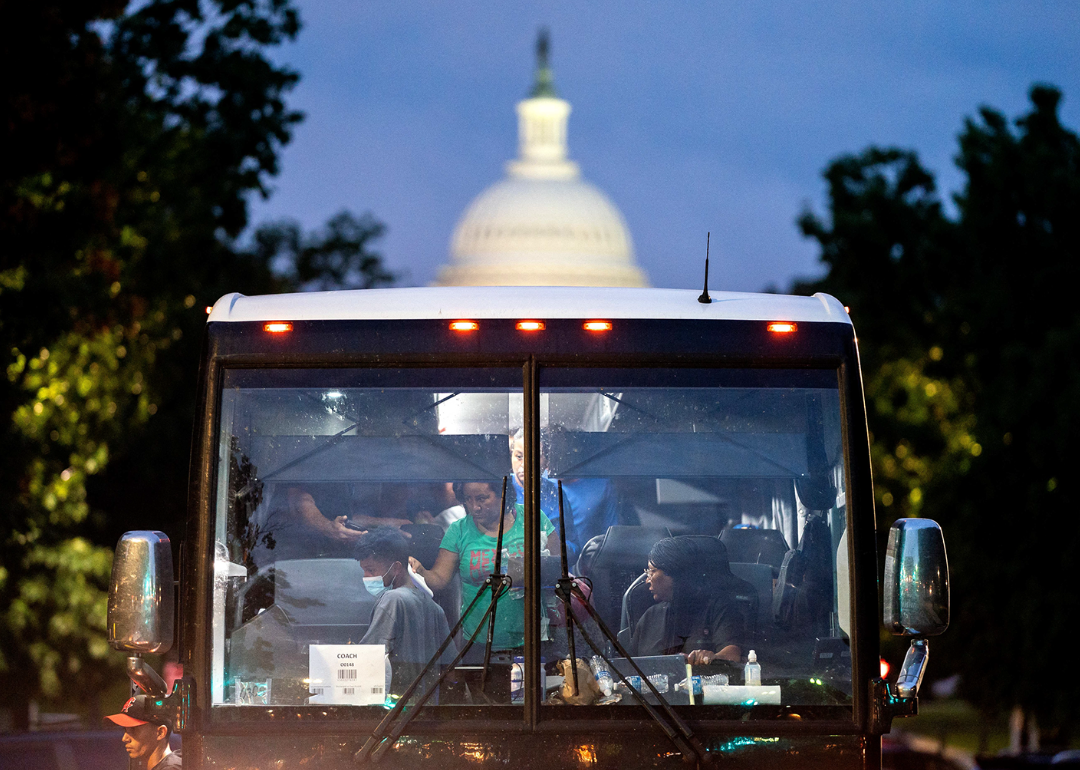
(358, 515)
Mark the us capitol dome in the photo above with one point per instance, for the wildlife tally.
(543, 225)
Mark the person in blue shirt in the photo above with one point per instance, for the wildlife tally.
(591, 504)
(549, 492)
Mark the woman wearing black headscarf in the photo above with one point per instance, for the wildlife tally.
(696, 614)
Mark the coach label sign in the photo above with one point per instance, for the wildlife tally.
(353, 674)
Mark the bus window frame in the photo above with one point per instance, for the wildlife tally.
(832, 347)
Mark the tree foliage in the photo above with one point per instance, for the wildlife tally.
(971, 352)
(133, 142)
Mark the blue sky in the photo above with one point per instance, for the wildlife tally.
(692, 117)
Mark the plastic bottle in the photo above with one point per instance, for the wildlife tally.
(632, 681)
(660, 682)
(752, 672)
(389, 672)
(517, 680)
(684, 685)
(603, 676)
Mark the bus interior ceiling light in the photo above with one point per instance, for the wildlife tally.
(597, 326)
(277, 327)
(782, 327)
(464, 326)
(530, 326)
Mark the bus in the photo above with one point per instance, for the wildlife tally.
(644, 519)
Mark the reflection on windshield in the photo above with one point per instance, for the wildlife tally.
(704, 517)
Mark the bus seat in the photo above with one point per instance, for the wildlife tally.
(324, 592)
(619, 560)
(321, 599)
(749, 545)
(760, 577)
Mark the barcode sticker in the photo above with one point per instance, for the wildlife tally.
(353, 674)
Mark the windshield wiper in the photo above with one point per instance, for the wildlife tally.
(677, 731)
(383, 737)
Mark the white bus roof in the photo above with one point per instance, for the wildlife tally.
(540, 302)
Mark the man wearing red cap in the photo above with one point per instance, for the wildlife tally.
(146, 736)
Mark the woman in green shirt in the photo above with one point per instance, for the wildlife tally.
(469, 548)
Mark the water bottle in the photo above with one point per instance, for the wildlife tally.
(752, 672)
(603, 676)
(631, 681)
(685, 685)
(388, 672)
(660, 682)
(517, 680)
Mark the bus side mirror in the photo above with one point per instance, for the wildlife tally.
(916, 579)
(916, 594)
(141, 599)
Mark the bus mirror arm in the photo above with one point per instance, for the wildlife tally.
(911, 673)
(888, 701)
(147, 680)
(886, 704)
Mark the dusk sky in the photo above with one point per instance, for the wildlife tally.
(692, 118)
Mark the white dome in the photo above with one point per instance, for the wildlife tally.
(541, 232)
(543, 225)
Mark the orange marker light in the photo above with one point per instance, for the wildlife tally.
(209, 309)
(277, 327)
(598, 326)
(782, 327)
(530, 326)
(464, 326)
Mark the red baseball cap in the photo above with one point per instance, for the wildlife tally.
(136, 712)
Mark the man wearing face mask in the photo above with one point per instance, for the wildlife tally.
(406, 620)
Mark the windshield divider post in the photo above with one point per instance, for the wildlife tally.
(496, 584)
(564, 593)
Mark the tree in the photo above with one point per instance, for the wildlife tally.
(132, 147)
(970, 347)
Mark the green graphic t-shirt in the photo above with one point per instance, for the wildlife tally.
(476, 561)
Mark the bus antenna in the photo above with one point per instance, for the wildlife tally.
(705, 299)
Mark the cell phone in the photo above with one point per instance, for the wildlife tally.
(350, 525)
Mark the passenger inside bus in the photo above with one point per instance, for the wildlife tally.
(591, 505)
(696, 613)
(468, 549)
(405, 619)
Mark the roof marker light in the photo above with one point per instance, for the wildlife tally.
(782, 327)
(277, 327)
(464, 326)
(209, 309)
(597, 326)
(530, 326)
